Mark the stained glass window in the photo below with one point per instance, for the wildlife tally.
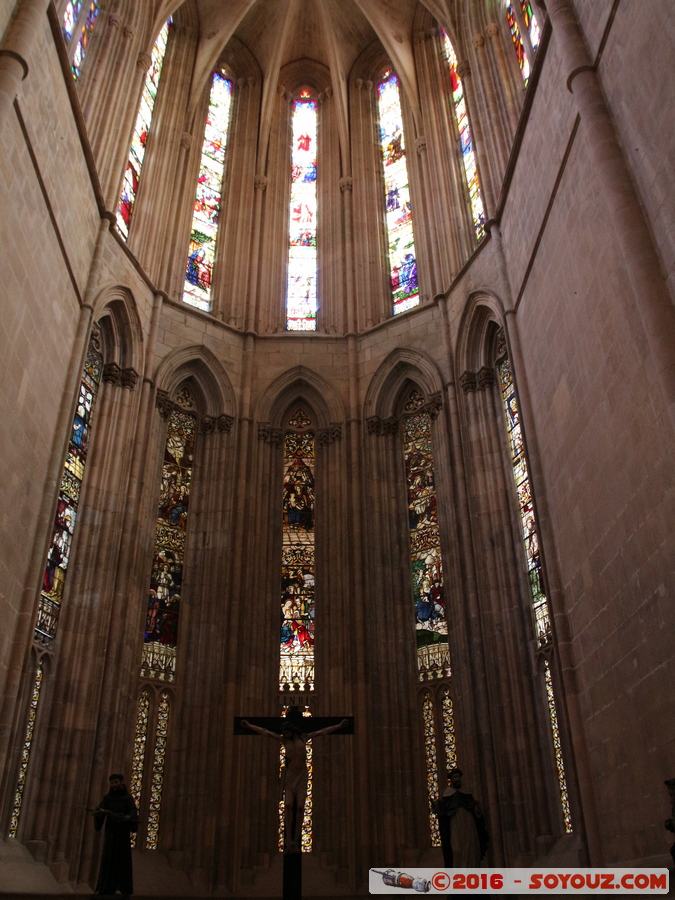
(58, 556)
(161, 623)
(432, 765)
(296, 670)
(138, 757)
(132, 173)
(465, 140)
(401, 242)
(301, 300)
(202, 251)
(530, 537)
(433, 654)
(25, 753)
(157, 782)
(519, 16)
(78, 24)
(306, 832)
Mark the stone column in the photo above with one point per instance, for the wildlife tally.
(626, 218)
(495, 35)
(252, 301)
(19, 43)
(346, 189)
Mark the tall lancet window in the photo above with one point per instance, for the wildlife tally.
(164, 595)
(433, 654)
(132, 172)
(530, 538)
(400, 239)
(296, 670)
(58, 555)
(465, 140)
(301, 301)
(524, 34)
(79, 18)
(202, 251)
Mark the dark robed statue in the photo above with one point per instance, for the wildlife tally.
(118, 811)
(464, 837)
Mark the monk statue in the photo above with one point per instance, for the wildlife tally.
(464, 837)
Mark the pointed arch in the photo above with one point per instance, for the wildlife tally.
(116, 311)
(213, 388)
(302, 385)
(483, 312)
(401, 366)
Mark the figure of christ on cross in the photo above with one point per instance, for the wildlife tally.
(295, 773)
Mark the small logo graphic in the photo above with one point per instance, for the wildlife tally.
(399, 879)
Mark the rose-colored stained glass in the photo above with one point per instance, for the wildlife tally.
(400, 238)
(132, 172)
(465, 140)
(301, 302)
(202, 251)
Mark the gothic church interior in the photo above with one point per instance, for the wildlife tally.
(342, 377)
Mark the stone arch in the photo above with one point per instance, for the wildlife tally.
(234, 57)
(116, 313)
(304, 73)
(400, 368)
(199, 367)
(300, 384)
(483, 316)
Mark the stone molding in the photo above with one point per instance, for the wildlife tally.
(486, 378)
(420, 145)
(260, 183)
(478, 381)
(143, 62)
(111, 373)
(468, 381)
(347, 184)
(224, 423)
(163, 403)
(329, 435)
(272, 436)
(376, 425)
(185, 140)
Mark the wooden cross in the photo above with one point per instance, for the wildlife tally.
(293, 730)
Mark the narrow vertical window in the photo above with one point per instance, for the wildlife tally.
(301, 303)
(433, 654)
(157, 777)
(78, 23)
(58, 556)
(25, 753)
(296, 670)
(530, 538)
(432, 765)
(525, 35)
(465, 140)
(138, 756)
(132, 172)
(202, 251)
(400, 239)
(161, 624)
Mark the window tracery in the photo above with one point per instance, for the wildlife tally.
(399, 220)
(530, 540)
(296, 669)
(465, 139)
(79, 19)
(525, 34)
(301, 293)
(132, 172)
(202, 250)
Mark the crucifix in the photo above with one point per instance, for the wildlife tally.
(293, 732)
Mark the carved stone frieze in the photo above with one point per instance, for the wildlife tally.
(434, 406)
(468, 381)
(390, 426)
(502, 351)
(329, 435)
(272, 436)
(129, 378)
(163, 403)
(486, 378)
(111, 373)
(225, 423)
(374, 425)
(208, 425)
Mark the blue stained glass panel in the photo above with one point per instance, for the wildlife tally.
(401, 242)
(202, 250)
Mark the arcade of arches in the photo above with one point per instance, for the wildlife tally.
(380, 424)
